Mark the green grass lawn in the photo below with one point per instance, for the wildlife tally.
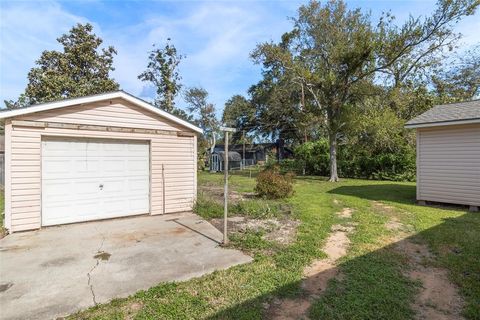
(373, 284)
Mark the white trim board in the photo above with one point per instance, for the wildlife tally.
(94, 98)
(441, 123)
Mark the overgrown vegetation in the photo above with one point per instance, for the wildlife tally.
(373, 284)
(344, 84)
(272, 184)
(311, 158)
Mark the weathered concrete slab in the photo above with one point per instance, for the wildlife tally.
(59, 270)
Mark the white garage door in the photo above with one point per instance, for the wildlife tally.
(93, 179)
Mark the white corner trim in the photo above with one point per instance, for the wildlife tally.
(8, 185)
(442, 123)
(99, 97)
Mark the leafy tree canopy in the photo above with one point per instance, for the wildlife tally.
(204, 114)
(335, 52)
(80, 69)
(240, 114)
(162, 72)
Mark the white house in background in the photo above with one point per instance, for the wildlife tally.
(96, 157)
(448, 154)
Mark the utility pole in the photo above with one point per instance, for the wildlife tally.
(225, 187)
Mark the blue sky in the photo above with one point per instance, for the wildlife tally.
(215, 36)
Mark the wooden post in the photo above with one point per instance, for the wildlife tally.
(225, 191)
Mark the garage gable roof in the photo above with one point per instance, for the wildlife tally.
(94, 98)
(448, 114)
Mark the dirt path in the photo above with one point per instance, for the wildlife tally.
(316, 275)
(438, 297)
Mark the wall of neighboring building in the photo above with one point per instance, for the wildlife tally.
(177, 153)
(448, 164)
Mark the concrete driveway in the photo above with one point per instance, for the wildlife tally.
(59, 270)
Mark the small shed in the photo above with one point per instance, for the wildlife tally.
(448, 154)
(217, 160)
(96, 157)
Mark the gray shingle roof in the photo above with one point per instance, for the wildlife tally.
(232, 155)
(448, 114)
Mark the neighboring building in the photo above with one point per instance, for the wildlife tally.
(217, 160)
(96, 157)
(448, 154)
(258, 153)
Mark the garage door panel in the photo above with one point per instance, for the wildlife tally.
(93, 179)
(138, 185)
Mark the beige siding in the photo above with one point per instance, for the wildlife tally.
(115, 113)
(448, 164)
(176, 154)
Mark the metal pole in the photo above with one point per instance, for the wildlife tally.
(243, 138)
(225, 191)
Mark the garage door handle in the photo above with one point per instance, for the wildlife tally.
(101, 186)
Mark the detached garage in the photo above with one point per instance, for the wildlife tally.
(97, 157)
(448, 154)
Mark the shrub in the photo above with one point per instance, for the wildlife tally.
(314, 157)
(355, 161)
(274, 185)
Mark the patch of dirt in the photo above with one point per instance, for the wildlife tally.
(282, 231)
(215, 192)
(345, 213)
(438, 297)
(382, 206)
(290, 309)
(393, 225)
(316, 275)
(132, 309)
(285, 233)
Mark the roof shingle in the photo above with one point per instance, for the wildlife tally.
(448, 113)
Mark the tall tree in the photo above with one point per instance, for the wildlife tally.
(334, 51)
(82, 68)
(204, 114)
(459, 80)
(240, 114)
(162, 72)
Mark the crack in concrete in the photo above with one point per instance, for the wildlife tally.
(89, 282)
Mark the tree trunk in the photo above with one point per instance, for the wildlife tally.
(333, 157)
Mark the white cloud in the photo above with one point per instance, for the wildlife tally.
(27, 29)
(216, 37)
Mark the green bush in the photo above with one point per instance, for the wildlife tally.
(314, 157)
(354, 161)
(274, 185)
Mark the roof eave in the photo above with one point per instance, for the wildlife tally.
(441, 123)
(94, 98)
